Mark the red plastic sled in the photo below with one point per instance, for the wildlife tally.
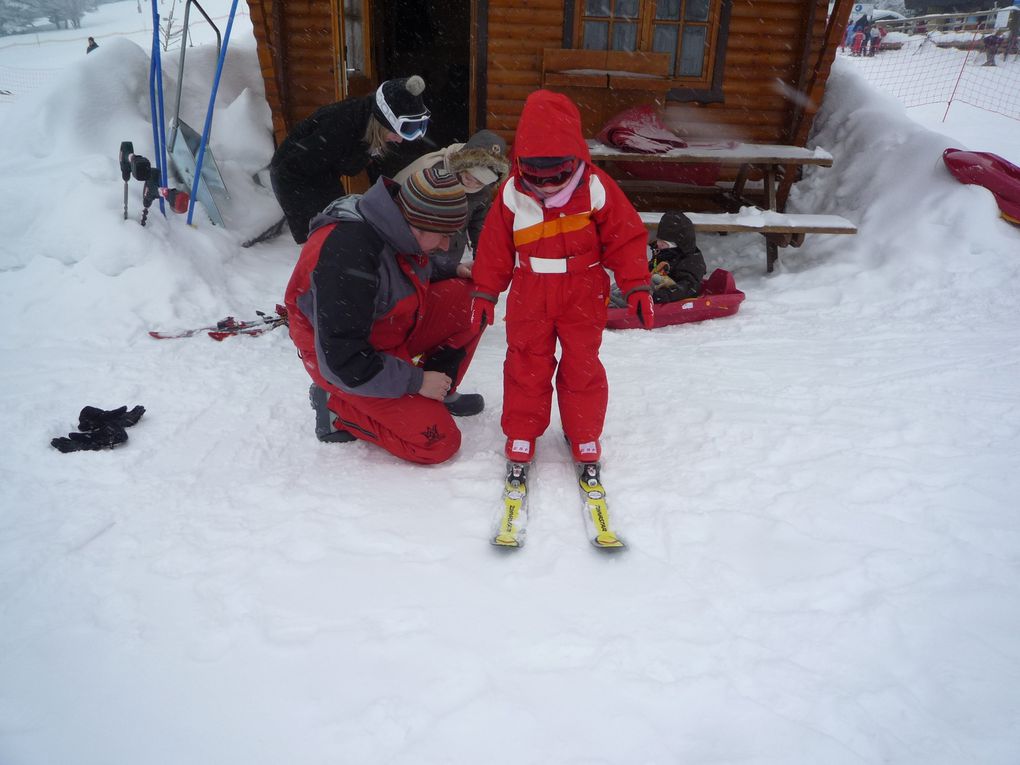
(719, 297)
(1000, 177)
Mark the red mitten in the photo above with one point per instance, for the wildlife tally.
(483, 311)
(640, 302)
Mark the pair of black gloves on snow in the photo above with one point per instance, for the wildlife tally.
(100, 429)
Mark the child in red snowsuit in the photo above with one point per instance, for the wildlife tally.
(858, 43)
(555, 222)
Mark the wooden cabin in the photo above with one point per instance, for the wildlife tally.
(749, 70)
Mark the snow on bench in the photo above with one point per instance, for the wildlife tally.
(724, 153)
(761, 222)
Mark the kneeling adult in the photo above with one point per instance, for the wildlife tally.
(374, 332)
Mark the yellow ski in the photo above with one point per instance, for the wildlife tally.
(512, 519)
(596, 510)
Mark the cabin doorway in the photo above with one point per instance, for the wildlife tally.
(433, 39)
(355, 75)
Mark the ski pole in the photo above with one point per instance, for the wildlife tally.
(127, 149)
(150, 192)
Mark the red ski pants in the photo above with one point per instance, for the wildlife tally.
(541, 309)
(413, 427)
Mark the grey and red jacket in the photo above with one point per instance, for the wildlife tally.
(356, 296)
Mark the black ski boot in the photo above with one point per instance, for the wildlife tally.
(325, 429)
(464, 404)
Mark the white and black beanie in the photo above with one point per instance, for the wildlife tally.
(402, 96)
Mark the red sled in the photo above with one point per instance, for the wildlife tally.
(719, 297)
(982, 168)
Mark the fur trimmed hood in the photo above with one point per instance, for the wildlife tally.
(484, 149)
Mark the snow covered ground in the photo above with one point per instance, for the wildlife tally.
(819, 493)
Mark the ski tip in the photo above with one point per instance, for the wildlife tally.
(507, 541)
(607, 540)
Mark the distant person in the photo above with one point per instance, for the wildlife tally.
(342, 139)
(992, 43)
(848, 38)
(480, 165)
(867, 40)
(92, 45)
(875, 40)
(858, 44)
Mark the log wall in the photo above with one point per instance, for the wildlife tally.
(765, 44)
(297, 49)
(296, 42)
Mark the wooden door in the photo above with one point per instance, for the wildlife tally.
(355, 74)
(355, 70)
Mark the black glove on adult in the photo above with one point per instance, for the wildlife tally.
(446, 360)
(104, 437)
(93, 418)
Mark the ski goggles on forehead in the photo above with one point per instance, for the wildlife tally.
(411, 127)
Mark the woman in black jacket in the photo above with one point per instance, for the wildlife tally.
(340, 139)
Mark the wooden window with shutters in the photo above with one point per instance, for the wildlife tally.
(692, 33)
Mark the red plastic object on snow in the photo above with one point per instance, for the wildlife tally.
(719, 297)
(642, 131)
(981, 168)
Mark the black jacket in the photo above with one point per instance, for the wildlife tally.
(686, 264)
(326, 145)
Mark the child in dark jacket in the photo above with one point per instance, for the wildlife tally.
(677, 265)
(676, 256)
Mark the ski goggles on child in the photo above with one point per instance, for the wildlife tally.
(410, 127)
(546, 171)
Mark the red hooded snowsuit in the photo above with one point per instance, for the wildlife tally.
(555, 257)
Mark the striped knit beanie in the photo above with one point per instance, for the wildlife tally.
(433, 200)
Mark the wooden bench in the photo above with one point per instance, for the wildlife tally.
(779, 229)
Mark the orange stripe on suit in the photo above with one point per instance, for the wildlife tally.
(550, 228)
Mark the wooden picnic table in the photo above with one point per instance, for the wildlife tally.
(779, 229)
(768, 158)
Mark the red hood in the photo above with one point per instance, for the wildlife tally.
(550, 126)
